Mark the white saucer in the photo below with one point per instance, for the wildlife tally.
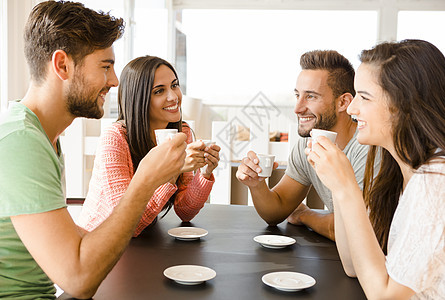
(288, 281)
(189, 274)
(187, 233)
(274, 241)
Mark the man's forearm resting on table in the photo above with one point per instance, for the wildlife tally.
(319, 221)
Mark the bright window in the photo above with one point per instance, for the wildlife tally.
(424, 25)
(234, 54)
(150, 33)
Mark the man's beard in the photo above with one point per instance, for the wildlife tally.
(81, 101)
(325, 121)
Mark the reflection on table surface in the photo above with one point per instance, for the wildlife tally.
(230, 250)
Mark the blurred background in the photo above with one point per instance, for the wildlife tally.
(230, 55)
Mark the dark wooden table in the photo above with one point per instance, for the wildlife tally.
(228, 249)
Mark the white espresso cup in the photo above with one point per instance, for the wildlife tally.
(207, 143)
(164, 134)
(315, 133)
(266, 164)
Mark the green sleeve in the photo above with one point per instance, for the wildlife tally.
(31, 174)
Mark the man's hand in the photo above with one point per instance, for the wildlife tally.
(248, 170)
(164, 161)
(295, 216)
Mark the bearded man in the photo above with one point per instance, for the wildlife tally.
(69, 50)
(324, 89)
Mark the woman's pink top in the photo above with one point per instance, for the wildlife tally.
(112, 173)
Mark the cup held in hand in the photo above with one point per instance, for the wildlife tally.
(266, 164)
(315, 133)
(207, 143)
(164, 134)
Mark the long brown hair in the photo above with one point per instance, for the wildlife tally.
(412, 75)
(134, 96)
(68, 26)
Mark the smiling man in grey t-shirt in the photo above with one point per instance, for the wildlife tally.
(324, 90)
(300, 170)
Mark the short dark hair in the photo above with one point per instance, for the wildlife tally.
(341, 72)
(68, 26)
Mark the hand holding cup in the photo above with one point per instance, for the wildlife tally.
(164, 134)
(165, 161)
(211, 157)
(250, 169)
(315, 133)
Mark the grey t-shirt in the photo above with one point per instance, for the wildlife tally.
(299, 169)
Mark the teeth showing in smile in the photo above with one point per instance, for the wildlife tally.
(361, 123)
(305, 119)
(171, 107)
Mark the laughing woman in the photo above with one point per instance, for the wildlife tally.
(149, 98)
(400, 108)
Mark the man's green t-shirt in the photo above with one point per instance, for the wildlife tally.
(31, 181)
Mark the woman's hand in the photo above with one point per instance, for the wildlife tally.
(211, 156)
(331, 164)
(201, 156)
(195, 157)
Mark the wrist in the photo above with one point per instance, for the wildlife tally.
(206, 175)
(260, 188)
(347, 192)
(172, 180)
(304, 215)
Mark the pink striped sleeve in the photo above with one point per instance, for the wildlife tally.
(155, 205)
(191, 197)
(112, 173)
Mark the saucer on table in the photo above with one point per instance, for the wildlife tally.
(189, 274)
(288, 281)
(187, 233)
(274, 241)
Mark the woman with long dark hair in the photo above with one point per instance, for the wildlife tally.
(149, 98)
(394, 241)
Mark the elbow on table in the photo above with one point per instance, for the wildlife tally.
(80, 292)
(185, 220)
(80, 288)
(350, 272)
(272, 222)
